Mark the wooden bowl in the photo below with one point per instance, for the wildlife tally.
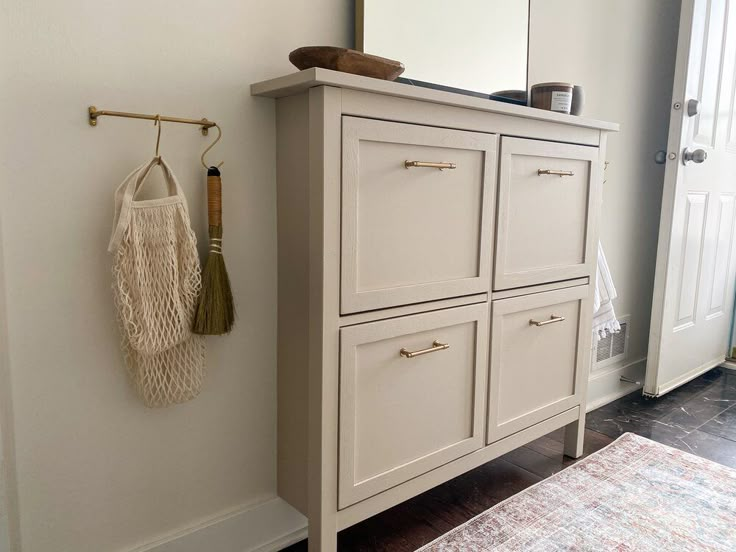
(347, 61)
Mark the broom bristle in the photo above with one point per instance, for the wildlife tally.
(215, 313)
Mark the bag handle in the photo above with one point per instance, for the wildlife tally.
(172, 183)
(125, 196)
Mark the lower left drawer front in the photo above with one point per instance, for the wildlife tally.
(412, 397)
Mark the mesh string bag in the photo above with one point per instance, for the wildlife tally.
(156, 283)
(173, 376)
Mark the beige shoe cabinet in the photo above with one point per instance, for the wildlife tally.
(436, 262)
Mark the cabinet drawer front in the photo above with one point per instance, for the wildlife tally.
(403, 414)
(540, 351)
(547, 203)
(419, 233)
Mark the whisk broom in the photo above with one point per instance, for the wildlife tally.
(215, 313)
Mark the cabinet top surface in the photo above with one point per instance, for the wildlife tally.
(295, 83)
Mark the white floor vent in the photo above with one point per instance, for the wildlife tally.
(614, 347)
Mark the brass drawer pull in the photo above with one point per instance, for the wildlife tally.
(552, 320)
(430, 164)
(436, 346)
(555, 172)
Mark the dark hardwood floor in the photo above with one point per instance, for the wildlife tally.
(699, 417)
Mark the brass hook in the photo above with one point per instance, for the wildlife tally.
(212, 145)
(157, 121)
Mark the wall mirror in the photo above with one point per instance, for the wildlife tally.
(480, 46)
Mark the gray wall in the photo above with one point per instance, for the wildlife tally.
(623, 53)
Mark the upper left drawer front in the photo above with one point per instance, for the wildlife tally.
(414, 233)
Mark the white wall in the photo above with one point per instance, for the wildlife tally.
(96, 470)
(623, 53)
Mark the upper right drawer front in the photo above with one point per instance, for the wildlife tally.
(547, 224)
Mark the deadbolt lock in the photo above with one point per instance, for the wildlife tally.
(693, 108)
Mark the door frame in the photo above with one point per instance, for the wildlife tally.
(10, 522)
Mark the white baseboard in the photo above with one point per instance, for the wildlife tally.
(729, 364)
(264, 527)
(606, 386)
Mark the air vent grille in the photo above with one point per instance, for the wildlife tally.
(618, 341)
(603, 350)
(613, 347)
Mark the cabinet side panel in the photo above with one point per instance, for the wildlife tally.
(292, 123)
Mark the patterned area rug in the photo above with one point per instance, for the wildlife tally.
(633, 495)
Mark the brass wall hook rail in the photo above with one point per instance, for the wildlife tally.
(95, 113)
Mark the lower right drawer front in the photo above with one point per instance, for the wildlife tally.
(540, 348)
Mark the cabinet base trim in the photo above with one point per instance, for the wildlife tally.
(375, 504)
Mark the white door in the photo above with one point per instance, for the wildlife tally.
(694, 282)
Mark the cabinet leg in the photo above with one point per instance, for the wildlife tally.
(574, 435)
(321, 539)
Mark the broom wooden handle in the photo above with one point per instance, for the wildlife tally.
(214, 200)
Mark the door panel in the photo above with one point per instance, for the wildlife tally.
(724, 247)
(694, 281)
(694, 229)
(710, 68)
